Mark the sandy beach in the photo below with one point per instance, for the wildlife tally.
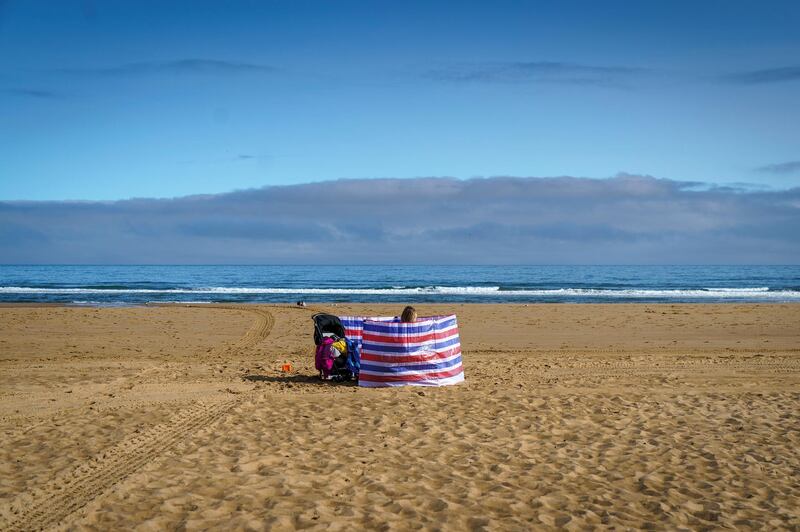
(576, 416)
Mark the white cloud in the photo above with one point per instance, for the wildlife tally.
(626, 219)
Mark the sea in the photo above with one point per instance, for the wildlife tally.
(139, 285)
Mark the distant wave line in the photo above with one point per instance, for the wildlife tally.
(484, 291)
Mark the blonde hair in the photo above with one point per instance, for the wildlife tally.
(409, 315)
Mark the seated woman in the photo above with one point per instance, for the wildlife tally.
(409, 315)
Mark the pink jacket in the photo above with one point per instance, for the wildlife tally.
(323, 360)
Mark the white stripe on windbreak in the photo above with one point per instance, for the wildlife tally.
(415, 363)
(376, 350)
(449, 331)
(411, 344)
(455, 379)
(411, 372)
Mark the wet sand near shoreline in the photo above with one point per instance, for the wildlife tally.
(576, 416)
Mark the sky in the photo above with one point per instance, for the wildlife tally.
(105, 102)
(115, 99)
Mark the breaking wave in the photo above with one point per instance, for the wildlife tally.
(755, 293)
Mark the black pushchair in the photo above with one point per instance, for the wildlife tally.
(328, 330)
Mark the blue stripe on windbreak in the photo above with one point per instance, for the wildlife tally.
(421, 367)
(359, 320)
(431, 345)
(398, 328)
(407, 328)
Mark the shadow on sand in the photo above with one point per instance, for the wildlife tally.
(297, 379)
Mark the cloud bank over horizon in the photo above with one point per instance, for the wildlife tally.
(627, 219)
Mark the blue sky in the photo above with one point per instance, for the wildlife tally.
(113, 100)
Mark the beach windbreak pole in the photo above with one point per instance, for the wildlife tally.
(426, 352)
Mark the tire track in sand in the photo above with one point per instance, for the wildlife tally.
(68, 492)
(258, 332)
(48, 505)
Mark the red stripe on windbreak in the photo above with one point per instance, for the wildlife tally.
(368, 357)
(405, 378)
(403, 339)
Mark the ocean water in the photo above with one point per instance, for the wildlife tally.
(125, 285)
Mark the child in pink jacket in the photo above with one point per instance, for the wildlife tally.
(323, 360)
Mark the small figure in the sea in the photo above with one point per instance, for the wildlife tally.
(409, 315)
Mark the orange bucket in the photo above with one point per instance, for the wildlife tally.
(286, 368)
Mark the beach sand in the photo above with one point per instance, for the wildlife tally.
(575, 416)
